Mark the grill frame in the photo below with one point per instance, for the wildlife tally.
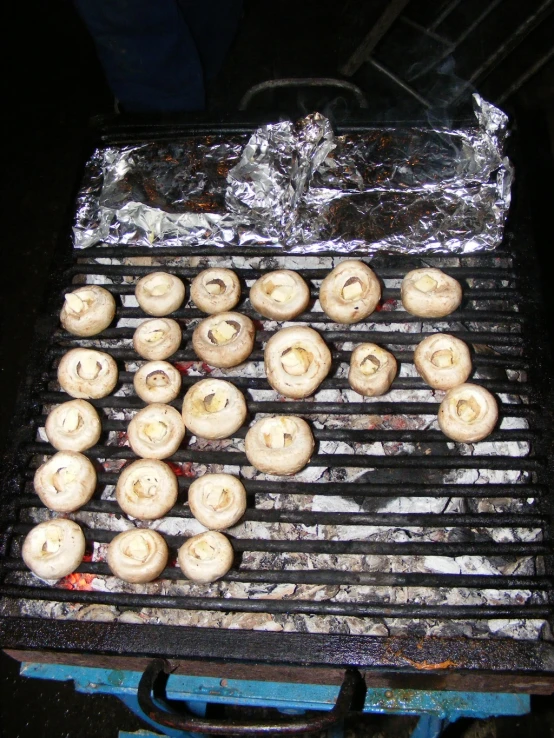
(404, 654)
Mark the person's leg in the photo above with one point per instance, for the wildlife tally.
(213, 25)
(148, 54)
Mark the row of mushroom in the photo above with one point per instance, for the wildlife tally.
(296, 361)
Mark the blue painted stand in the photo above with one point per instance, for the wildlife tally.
(436, 709)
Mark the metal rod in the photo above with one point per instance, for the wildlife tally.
(422, 29)
(442, 16)
(525, 76)
(372, 38)
(298, 82)
(504, 49)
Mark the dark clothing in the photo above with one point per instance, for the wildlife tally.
(157, 54)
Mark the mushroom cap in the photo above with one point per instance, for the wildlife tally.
(206, 557)
(137, 555)
(54, 549)
(213, 408)
(157, 381)
(65, 482)
(280, 295)
(160, 293)
(443, 361)
(146, 489)
(224, 340)
(88, 310)
(88, 374)
(218, 501)
(280, 445)
(430, 293)
(350, 292)
(215, 290)
(372, 370)
(73, 426)
(308, 365)
(468, 413)
(158, 338)
(156, 431)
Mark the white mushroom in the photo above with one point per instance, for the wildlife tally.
(160, 293)
(430, 293)
(157, 339)
(213, 408)
(215, 290)
(88, 310)
(224, 340)
(206, 557)
(372, 370)
(280, 295)
(443, 361)
(87, 373)
(296, 361)
(350, 292)
(146, 489)
(65, 482)
(138, 555)
(156, 431)
(218, 501)
(157, 381)
(468, 413)
(54, 549)
(279, 445)
(73, 426)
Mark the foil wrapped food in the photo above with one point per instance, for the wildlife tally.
(301, 188)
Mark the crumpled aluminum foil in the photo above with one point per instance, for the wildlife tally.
(299, 187)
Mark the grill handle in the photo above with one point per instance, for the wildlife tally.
(153, 682)
(273, 84)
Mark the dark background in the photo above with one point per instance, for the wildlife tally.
(56, 84)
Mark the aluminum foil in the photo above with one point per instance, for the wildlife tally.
(299, 187)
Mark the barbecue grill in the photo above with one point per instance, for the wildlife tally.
(300, 605)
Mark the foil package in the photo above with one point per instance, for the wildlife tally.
(301, 188)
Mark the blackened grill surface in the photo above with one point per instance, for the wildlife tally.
(496, 318)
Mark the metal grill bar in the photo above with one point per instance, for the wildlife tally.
(332, 576)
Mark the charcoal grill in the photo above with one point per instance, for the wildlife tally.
(500, 318)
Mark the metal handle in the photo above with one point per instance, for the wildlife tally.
(153, 682)
(272, 84)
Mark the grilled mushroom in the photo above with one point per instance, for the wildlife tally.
(430, 293)
(54, 549)
(65, 482)
(206, 557)
(213, 408)
(157, 339)
(146, 489)
(160, 293)
(443, 361)
(350, 292)
(224, 340)
(215, 290)
(138, 555)
(157, 381)
(86, 373)
(372, 370)
(156, 431)
(468, 413)
(73, 426)
(296, 361)
(218, 501)
(279, 445)
(88, 310)
(280, 295)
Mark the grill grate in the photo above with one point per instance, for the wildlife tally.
(391, 536)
